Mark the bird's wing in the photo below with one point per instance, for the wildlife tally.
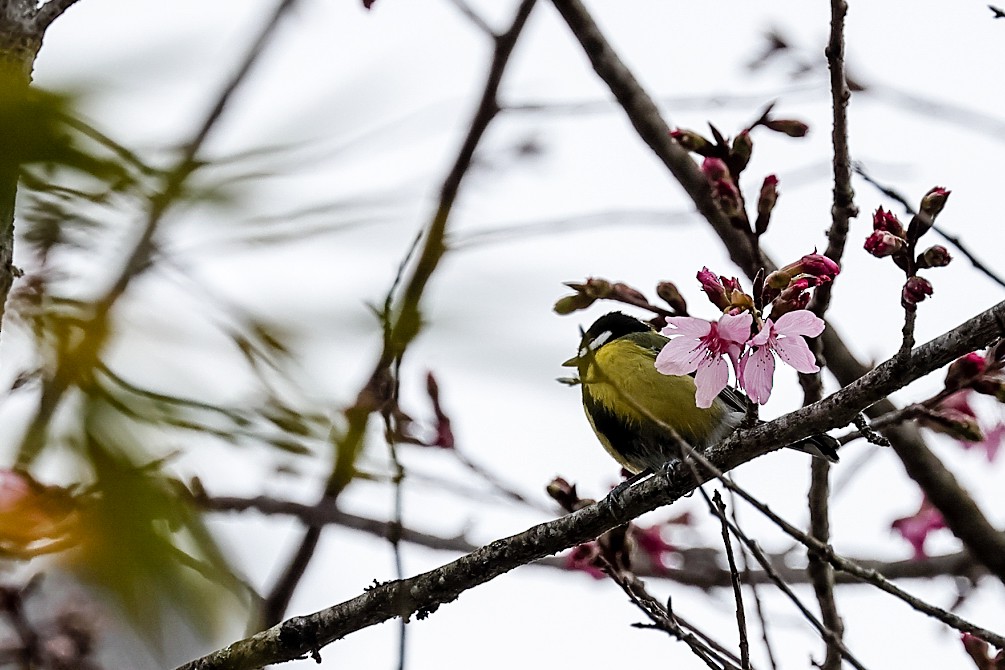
(651, 342)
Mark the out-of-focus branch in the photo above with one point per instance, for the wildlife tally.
(963, 517)
(405, 322)
(78, 359)
(699, 566)
(423, 594)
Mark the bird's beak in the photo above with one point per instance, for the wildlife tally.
(571, 363)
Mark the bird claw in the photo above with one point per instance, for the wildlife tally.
(614, 501)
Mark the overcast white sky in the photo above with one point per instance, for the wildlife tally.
(382, 98)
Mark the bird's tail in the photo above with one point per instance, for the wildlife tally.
(821, 446)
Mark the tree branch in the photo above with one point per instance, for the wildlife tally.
(842, 210)
(423, 594)
(49, 12)
(963, 517)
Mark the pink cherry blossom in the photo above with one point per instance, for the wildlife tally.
(651, 543)
(584, 557)
(785, 338)
(700, 347)
(993, 438)
(915, 528)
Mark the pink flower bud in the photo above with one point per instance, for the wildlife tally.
(727, 196)
(790, 127)
(814, 264)
(954, 423)
(714, 169)
(915, 290)
(731, 285)
(882, 243)
(885, 220)
(766, 202)
(794, 297)
(934, 201)
(934, 257)
(713, 288)
(690, 140)
(819, 265)
(964, 370)
(626, 294)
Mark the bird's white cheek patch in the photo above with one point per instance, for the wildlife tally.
(599, 341)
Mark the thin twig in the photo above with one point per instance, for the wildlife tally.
(754, 590)
(741, 618)
(842, 210)
(397, 520)
(374, 395)
(870, 576)
(473, 16)
(713, 654)
(830, 636)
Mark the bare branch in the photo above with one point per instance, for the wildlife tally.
(741, 618)
(49, 12)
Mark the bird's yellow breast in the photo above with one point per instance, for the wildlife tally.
(623, 369)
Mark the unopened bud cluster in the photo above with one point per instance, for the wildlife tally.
(595, 289)
(725, 160)
(889, 239)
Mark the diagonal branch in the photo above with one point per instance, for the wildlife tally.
(423, 594)
(49, 12)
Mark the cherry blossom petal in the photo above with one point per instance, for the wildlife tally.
(735, 327)
(711, 378)
(764, 335)
(680, 356)
(993, 441)
(756, 372)
(688, 326)
(799, 322)
(796, 353)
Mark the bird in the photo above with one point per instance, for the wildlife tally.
(640, 414)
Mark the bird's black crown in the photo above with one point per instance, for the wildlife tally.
(618, 325)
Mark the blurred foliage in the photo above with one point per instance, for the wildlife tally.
(39, 128)
(139, 539)
(124, 522)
